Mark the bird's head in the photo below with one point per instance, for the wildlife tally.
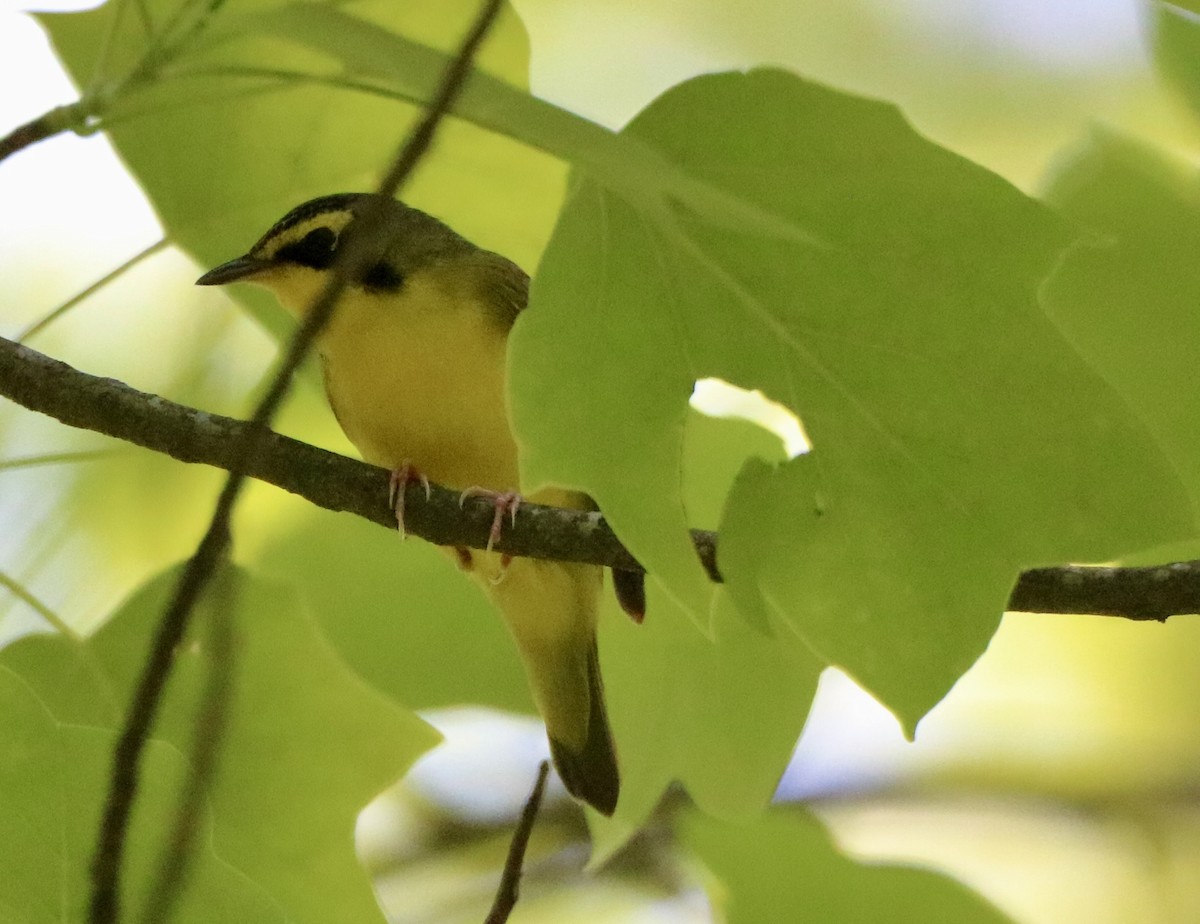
(294, 258)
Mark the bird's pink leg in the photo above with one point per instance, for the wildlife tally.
(400, 479)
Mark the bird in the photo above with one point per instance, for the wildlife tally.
(414, 361)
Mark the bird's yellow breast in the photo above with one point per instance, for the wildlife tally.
(417, 376)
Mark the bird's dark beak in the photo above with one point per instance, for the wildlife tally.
(234, 271)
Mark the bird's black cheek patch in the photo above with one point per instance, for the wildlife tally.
(383, 277)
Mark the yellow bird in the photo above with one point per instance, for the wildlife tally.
(414, 361)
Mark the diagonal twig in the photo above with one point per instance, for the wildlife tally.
(111, 837)
(509, 890)
(53, 315)
(208, 735)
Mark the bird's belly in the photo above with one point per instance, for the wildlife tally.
(439, 406)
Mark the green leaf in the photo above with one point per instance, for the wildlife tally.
(1177, 47)
(723, 718)
(783, 868)
(54, 776)
(306, 744)
(226, 128)
(397, 66)
(1129, 299)
(398, 612)
(957, 436)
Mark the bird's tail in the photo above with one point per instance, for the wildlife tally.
(590, 773)
(551, 611)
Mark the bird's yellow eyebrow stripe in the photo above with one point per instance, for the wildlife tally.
(276, 239)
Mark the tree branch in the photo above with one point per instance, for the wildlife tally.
(338, 483)
(509, 889)
(327, 479)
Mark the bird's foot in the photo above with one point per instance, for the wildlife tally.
(505, 502)
(502, 571)
(407, 472)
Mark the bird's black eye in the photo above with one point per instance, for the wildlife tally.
(382, 276)
(315, 249)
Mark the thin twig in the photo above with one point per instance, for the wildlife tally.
(18, 590)
(212, 721)
(50, 317)
(508, 891)
(47, 125)
(59, 458)
(114, 826)
(82, 115)
(126, 763)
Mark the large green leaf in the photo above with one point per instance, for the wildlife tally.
(1177, 46)
(53, 777)
(400, 613)
(718, 711)
(306, 746)
(1130, 299)
(957, 436)
(783, 868)
(719, 715)
(226, 127)
(389, 62)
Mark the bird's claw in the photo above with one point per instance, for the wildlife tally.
(397, 485)
(505, 561)
(504, 502)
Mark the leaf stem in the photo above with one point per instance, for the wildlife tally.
(57, 458)
(19, 591)
(71, 117)
(50, 317)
